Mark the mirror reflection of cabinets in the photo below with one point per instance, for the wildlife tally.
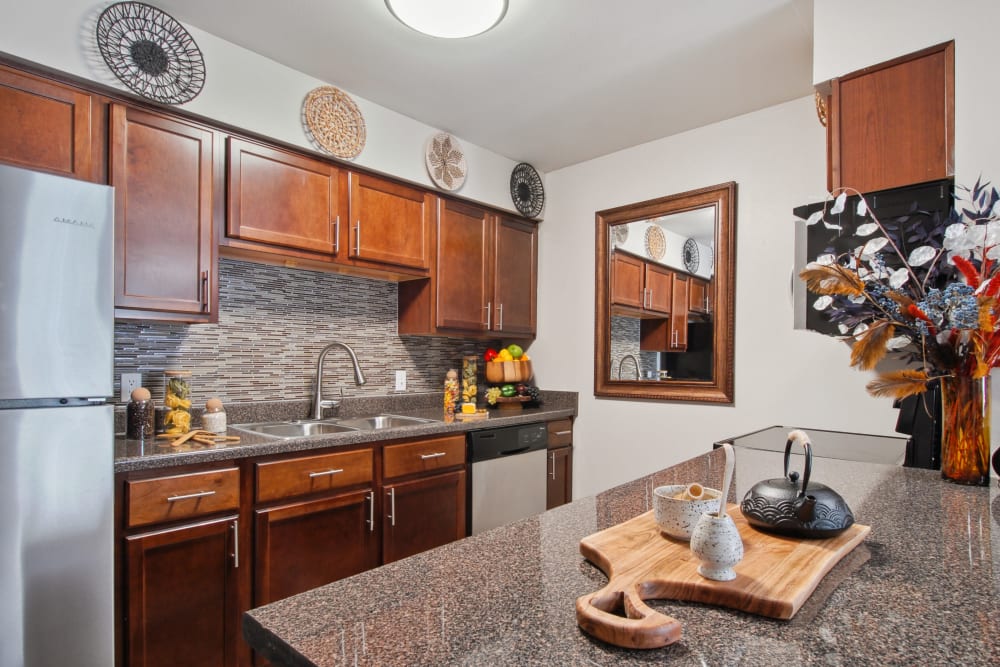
(665, 285)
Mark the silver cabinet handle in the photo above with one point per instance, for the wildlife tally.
(235, 525)
(204, 291)
(563, 433)
(489, 310)
(435, 455)
(392, 507)
(673, 338)
(357, 239)
(552, 457)
(325, 473)
(371, 512)
(189, 496)
(500, 317)
(336, 236)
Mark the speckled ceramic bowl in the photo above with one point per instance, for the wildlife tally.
(676, 516)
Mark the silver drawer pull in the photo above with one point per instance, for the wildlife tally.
(435, 455)
(325, 473)
(189, 496)
(563, 433)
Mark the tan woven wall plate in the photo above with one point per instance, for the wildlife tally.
(334, 121)
(445, 161)
(656, 242)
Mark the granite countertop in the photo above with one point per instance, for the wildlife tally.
(923, 588)
(155, 454)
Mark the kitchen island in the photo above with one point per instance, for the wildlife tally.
(923, 588)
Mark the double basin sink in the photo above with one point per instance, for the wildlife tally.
(300, 428)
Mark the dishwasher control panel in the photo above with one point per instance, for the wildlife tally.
(508, 441)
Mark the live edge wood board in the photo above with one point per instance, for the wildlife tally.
(776, 576)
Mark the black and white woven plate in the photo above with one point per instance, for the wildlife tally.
(150, 52)
(526, 190)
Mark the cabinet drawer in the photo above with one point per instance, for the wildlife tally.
(560, 433)
(180, 496)
(312, 474)
(423, 456)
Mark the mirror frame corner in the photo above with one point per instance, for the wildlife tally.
(720, 389)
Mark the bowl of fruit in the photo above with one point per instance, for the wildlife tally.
(509, 364)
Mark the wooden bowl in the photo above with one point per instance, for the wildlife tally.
(508, 371)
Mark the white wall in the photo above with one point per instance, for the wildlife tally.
(783, 376)
(247, 90)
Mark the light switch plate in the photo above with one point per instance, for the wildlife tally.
(130, 381)
(400, 380)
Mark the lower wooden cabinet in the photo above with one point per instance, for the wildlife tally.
(183, 602)
(422, 514)
(200, 545)
(306, 544)
(559, 476)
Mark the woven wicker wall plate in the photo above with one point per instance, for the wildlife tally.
(334, 121)
(526, 190)
(656, 242)
(445, 161)
(150, 52)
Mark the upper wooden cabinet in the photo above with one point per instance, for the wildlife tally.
(390, 223)
(644, 286)
(484, 278)
(281, 198)
(515, 277)
(893, 124)
(699, 295)
(49, 126)
(162, 171)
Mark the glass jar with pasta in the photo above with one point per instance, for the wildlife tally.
(177, 400)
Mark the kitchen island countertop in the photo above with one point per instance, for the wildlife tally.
(923, 588)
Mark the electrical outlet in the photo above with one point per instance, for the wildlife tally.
(130, 381)
(400, 380)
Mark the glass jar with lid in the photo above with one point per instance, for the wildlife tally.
(177, 399)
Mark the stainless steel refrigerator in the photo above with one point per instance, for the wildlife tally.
(56, 428)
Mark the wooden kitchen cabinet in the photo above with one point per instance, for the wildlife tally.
(49, 126)
(644, 286)
(669, 334)
(893, 124)
(183, 601)
(559, 477)
(423, 505)
(281, 198)
(390, 223)
(484, 279)
(324, 528)
(182, 590)
(165, 197)
(699, 296)
(305, 544)
(422, 513)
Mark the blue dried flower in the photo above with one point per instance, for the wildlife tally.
(955, 307)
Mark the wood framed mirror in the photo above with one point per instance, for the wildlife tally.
(665, 297)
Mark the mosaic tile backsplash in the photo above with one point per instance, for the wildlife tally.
(273, 322)
(625, 333)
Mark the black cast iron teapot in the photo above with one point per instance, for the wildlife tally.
(801, 510)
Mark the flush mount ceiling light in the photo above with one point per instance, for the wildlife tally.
(450, 19)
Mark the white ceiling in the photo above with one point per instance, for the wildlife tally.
(557, 82)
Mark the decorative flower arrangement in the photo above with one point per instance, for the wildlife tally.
(920, 287)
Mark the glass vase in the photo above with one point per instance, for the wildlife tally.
(965, 430)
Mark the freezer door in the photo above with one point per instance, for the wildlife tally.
(56, 286)
(56, 537)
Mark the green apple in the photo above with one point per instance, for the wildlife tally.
(515, 351)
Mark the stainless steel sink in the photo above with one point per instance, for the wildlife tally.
(296, 429)
(301, 428)
(379, 422)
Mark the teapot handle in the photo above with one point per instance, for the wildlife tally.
(801, 437)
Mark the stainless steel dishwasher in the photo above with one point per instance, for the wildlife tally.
(508, 474)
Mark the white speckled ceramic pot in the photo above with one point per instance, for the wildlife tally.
(716, 541)
(676, 516)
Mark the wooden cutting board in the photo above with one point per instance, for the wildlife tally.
(776, 576)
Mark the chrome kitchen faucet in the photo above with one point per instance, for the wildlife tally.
(359, 378)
